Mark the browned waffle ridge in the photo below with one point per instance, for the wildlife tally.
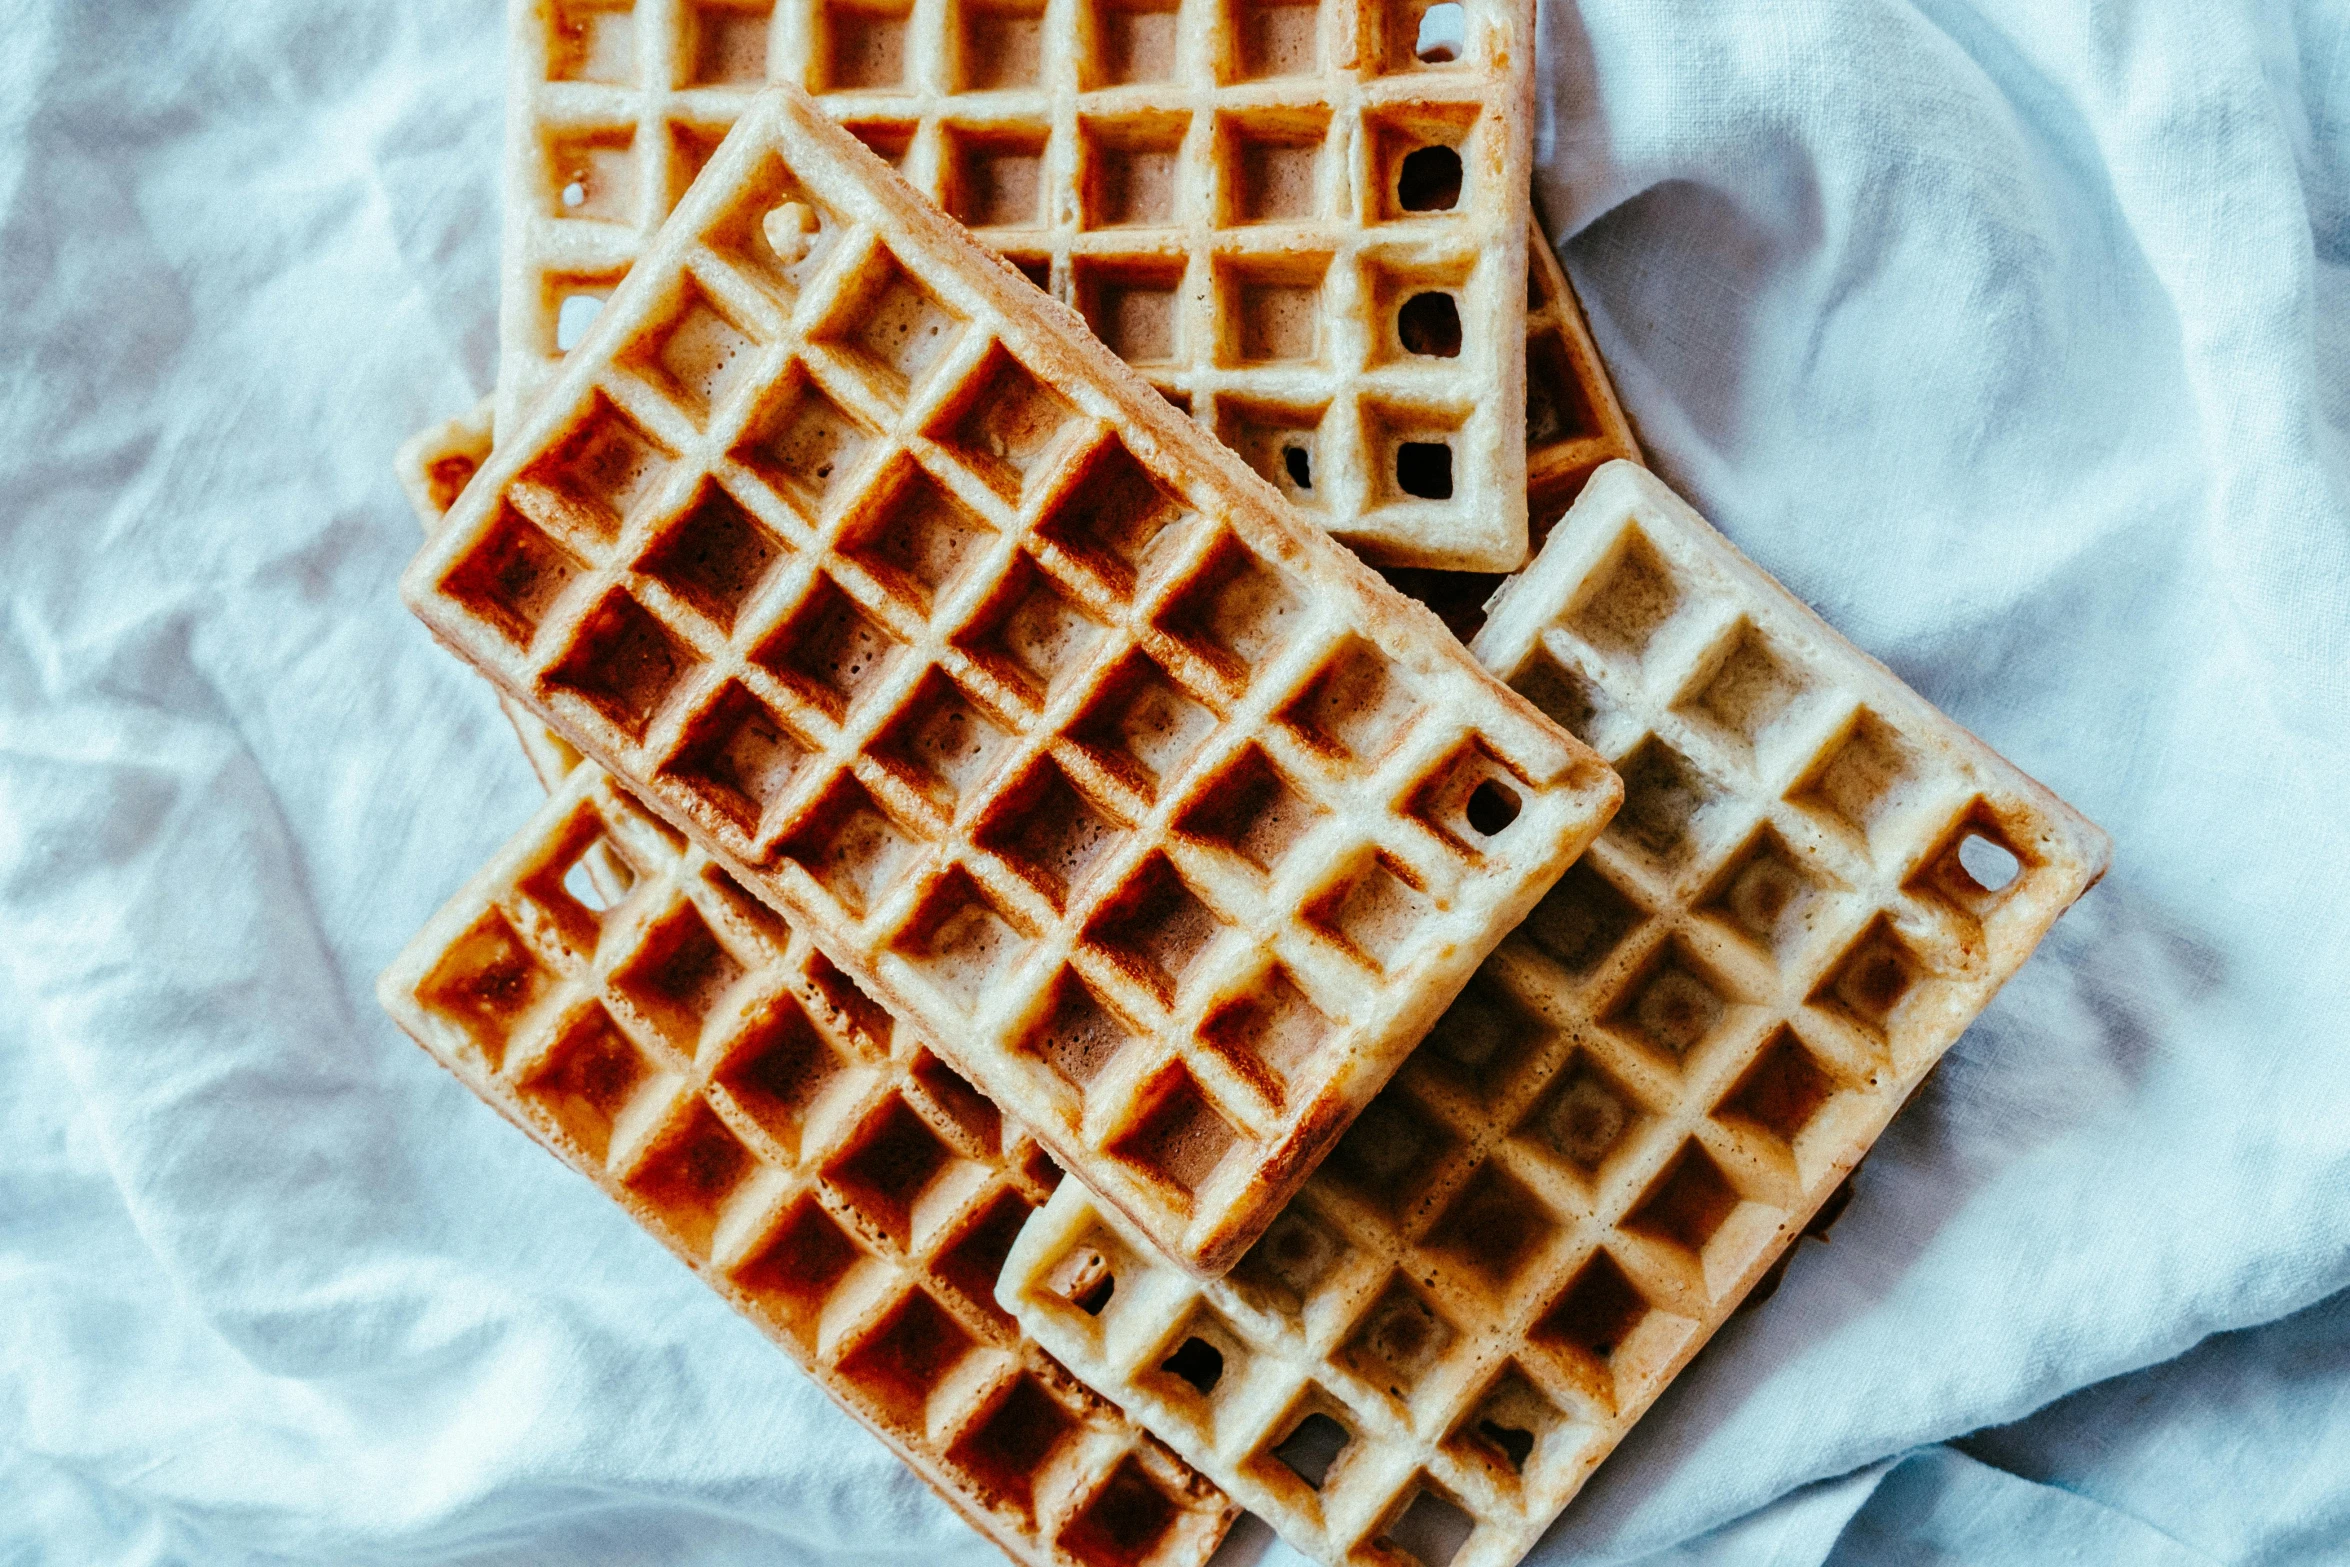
(1306, 223)
(835, 1181)
(1638, 1102)
(864, 563)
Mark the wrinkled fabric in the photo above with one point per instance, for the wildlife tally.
(2010, 333)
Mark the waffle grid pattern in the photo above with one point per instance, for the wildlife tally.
(823, 1171)
(1637, 1103)
(1303, 223)
(1001, 702)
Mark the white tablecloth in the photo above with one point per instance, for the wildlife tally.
(2011, 333)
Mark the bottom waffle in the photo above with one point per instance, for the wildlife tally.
(813, 1162)
(1815, 883)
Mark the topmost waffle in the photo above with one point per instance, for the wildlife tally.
(1305, 222)
(864, 563)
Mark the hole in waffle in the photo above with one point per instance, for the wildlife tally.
(592, 44)
(889, 1172)
(1470, 798)
(1290, 1260)
(1313, 1447)
(1977, 864)
(1030, 636)
(595, 476)
(1134, 42)
(625, 663)
(1136, 310)
(1442, 36)
(1132, 169)
(1278, 440)
(1876, 975)
(1493, 805)
(1269, 1032)
(593, 175)
(799, 1271)
(1507, 1426)
(1431, 1529)
(1270, 313)
(772, 230)
(582, 886)
(1271, 40)
(1272, 166)
(1397, 1340)
(1585, 1117)
(1374, 914)
(1768, 894)
(1009, 1447)
(1356, 708)
(1197, 1362)
(716, 558)
(1115, 518)
(574, 314)
(1687, 1203)
(1992, 865)
(1782, 1091)
(907, 1360)
(1485, 1034)
(488, 983)
(1494, 1226)
(592, 1080)
(863, 47)
(1429, 180)
(1515, 1444)
(1049, 832)
(691, 1180)
(1566, 696)
(1087, 1276)
(972, 1261)
(1868, 776)
(738, 757)
(1125, 1522)
(1178, 1136)
(1391, 1154)
(1252, 810)
(699, 354)
(778, 1072)
(1154, 928)
(1080, 1035)
(918, 540)
(1006, 425)
(1558, 406)
(995, 179)
(729, 46)
(960, 941)
(894, 328)
(1430, 324)
(1673, 1004)
(804, 447)
(1141, 725)
(941, 742)
(1424, 469)
(680, 976)
(513, 577)
(851, 847)
(1596, 1315)
(1669, 805)
(830, 651)
(1000, 45)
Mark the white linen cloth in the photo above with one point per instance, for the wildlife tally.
(2011, 333)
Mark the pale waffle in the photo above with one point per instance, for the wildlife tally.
(1637, 1103)
(1306, 223)
(818, 1167)
(867, 565)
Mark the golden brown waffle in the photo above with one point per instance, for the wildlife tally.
(864, 562)
(1636, 1104)
(818, 1167)
(1307, 223)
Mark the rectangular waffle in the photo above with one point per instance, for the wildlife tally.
(816, 1165)
(1815, 883)
(863, 562)
(1305, 221)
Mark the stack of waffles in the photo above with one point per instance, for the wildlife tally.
(973, 755)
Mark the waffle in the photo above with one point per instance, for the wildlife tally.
(1305, 223)
(1635, 1106)
(818, 1167)
(873, 570)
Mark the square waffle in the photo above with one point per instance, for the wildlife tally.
(1305, 221)
(1815, 883)
(816, 1165)
(862, 562)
